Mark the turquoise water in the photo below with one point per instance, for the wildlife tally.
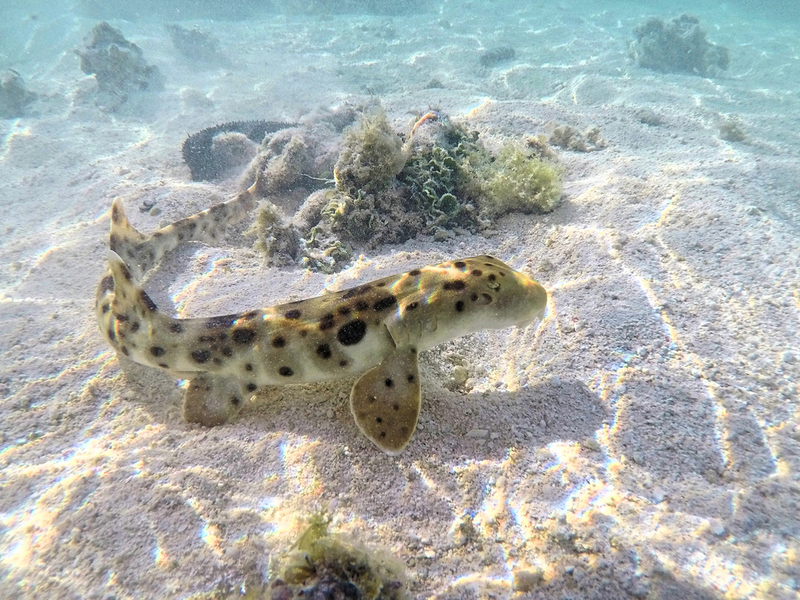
(640, 441)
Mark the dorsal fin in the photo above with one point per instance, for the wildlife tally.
(126, 241)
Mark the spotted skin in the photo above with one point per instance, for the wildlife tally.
(376, 329)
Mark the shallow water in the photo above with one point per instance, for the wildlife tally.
(641, 441)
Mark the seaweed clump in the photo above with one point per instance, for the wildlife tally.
(324, 565)
(521, 181)
(372, 155)
(428, 189)
(677, 46)
(440, 181)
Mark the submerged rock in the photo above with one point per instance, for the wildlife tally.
(195, 44)
(118, 66)
(495, 56)
(14, 95)
(677, 46)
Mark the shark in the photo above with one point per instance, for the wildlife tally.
(375, 330)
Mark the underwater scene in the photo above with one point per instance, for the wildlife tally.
(394, 300)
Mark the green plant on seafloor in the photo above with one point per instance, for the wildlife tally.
(371, 156)
(354, 215)
(322, 565)
(434, 178)
(518, 182)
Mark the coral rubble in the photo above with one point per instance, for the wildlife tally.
(677, 46)
(569, 138)
(439, 180)
(118, 66)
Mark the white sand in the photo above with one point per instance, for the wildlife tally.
(643, 442)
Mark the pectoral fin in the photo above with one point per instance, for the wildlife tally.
(385, 401)
(213, 400)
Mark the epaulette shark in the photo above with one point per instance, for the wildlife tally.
(376, 329)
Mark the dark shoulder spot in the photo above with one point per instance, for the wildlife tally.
(352, 332)
(492, 277)
(477, 272)
(384, 303)
(344, 310)
(285, 372)
(292, 314)
(157, 351)
(456, 285)
(460, 264)
(414, 272)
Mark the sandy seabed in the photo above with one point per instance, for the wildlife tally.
(643, 442)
